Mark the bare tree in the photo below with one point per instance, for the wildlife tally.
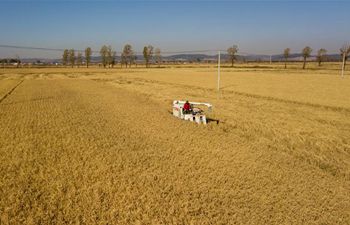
(158, 56)
(104, 55)
(113, 62)
(231, 51)
(109, 56)
(344, 52)
(65, 57)
(147, 54)
(286, 54)
(79, 59)
(321, 56)
(88, 53)
(306, 53)
(72, 57)
(128, 55)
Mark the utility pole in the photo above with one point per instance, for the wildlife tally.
(270, 59)
(219, 72)
(342, 68)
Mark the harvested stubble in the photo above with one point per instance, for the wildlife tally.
(103, 148)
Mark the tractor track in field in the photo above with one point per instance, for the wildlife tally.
(10, 92)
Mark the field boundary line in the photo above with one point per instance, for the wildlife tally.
(270, 98)
(257, 96)
(10, 92)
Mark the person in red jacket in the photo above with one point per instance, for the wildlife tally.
(187, 107)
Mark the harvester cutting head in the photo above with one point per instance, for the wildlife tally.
(191, 112)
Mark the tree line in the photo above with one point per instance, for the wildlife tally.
(16, 61)
(320, 57)
(306, 53)
(69, 57)
(128, 57)
(108, 56)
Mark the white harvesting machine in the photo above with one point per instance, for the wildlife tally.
(196, 114)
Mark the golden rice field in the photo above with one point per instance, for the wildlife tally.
(99, 146)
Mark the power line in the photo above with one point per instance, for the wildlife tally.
(136, 52)
(38, 48)
(79, 50)
(97, 52)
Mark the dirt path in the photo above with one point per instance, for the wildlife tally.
(89, 152)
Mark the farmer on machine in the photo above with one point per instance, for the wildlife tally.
(187, 108)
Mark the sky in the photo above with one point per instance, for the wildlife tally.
(256, 27)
